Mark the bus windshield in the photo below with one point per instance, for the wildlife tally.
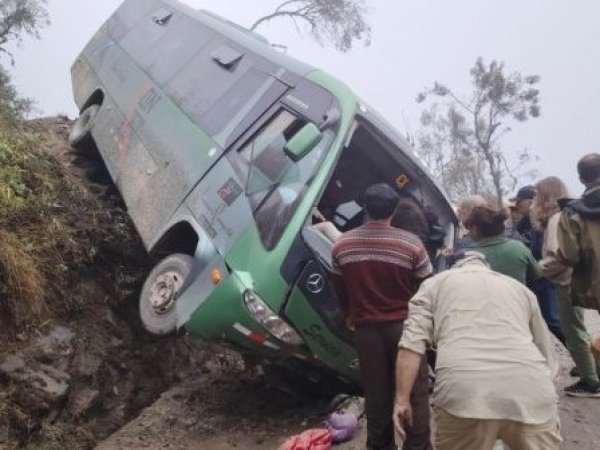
(275, 185)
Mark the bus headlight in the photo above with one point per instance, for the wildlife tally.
(267, 318)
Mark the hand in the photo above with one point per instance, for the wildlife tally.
(447, 252)
(350, 324)
(402, 417)
(595, 347)
(318, 216)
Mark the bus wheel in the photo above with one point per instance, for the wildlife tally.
(80, 136)
(160, 291)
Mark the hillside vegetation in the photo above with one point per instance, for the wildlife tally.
(52, 227)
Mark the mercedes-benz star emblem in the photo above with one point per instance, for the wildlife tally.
(315, 283)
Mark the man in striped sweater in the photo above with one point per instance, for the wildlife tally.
(376, 271)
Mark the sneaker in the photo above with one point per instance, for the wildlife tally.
(583, 389)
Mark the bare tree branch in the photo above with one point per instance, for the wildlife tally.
(340, 22)
(292, 14)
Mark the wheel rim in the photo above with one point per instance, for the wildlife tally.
(81, 125)
(85, 120)
(163, 292)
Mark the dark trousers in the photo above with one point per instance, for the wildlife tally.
(377, 347)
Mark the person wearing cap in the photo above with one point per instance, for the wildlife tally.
(496, 363)
(511, 231)
(524, 202)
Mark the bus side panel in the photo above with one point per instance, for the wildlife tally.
(153, 151)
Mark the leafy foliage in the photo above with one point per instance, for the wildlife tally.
(19, 18)
(341, 22)
(13, 107)
(461, 139)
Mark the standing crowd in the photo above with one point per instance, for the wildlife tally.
(518, 274)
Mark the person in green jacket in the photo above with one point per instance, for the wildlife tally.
(506, 256)
(579, 249)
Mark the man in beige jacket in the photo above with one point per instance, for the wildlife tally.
(495, 365)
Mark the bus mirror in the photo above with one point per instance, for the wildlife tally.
(303, 142)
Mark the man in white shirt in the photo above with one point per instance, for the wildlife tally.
(495, 365)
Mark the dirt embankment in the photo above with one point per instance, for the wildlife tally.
(75, 364)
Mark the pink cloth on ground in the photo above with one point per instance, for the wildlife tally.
(309, 440)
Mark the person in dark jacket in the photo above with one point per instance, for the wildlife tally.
(523, 204)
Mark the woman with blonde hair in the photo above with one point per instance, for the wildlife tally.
(548, 192)
(545, 215)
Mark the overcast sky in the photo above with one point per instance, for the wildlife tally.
(414, 43)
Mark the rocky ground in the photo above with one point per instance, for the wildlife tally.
(94, 379)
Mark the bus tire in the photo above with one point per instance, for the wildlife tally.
(80, 136)
(159, 293)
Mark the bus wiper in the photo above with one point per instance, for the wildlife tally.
(267, 196)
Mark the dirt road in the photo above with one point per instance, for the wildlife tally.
(230, 411)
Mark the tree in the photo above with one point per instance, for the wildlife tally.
(13, 107)
(463, 144)
(341, 22)
(19, 18)
(454, 165)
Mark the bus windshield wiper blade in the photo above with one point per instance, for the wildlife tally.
(270, 192)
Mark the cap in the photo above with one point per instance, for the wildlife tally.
(525, 193)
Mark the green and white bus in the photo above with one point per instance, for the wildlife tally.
(222, 148)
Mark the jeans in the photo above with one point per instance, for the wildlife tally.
(577, 337)
(547, 296)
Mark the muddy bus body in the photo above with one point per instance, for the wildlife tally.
(221, 147)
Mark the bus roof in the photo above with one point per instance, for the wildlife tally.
(248, 39)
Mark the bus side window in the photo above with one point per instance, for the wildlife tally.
(146, 34)
(203, 81)
(126, 17)
(238, 102)
(177, 46)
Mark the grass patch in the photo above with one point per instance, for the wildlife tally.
(52, 228)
